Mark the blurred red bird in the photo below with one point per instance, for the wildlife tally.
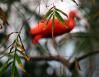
(43, 30)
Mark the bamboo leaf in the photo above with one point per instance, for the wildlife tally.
(58, 10)
(19, 63)
(13, 70)
(59, 17)
(18, 59)
(17, 72)
(4, 67)
(22, 67)
(49, 17)
(48, 13)
(24, 55)
(21, 47)
(21, 43)
(27, 57)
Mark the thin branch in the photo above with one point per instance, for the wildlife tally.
(58, 58)
(5, 50)
(88, 55)
(71, 66)
(62, 60)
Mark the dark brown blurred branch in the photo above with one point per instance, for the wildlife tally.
(88, 55)
(83, 57)
(58, 58)
(62, 60)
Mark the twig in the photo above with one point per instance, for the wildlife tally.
(58, 58)
(71, 66)
(62, 60)
(5, 50)
(88, 55)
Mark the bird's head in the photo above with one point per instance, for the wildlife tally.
(77, 14)
(74, 14)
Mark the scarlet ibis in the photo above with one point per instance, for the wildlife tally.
(43, 30)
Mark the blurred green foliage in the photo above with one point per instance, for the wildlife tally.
(87, 42)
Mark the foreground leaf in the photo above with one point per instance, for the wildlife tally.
(18, 59)
(4, 67)
(59, 17)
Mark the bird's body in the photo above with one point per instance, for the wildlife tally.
(43, 30)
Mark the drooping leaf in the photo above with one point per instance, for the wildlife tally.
(4, 67)
(13, 69)
(48, 13)
(59, 17)
(18, 59)
(27, 57)
(58, 10)
(17, 72)
(49, 17)
(24, 55)
(20, 64)
(21, 47)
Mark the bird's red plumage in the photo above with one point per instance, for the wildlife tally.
(43, 30)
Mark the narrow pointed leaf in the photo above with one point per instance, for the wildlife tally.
(21, 47)
(59, 17)
(27, 57)
(18, 59)
(19, 63)
(13, 70)
(58, 10)
(17, 72)
(4, 67)
(48, 13)
(21, 43)
(24, 55)
(22, 67)
(49, 17)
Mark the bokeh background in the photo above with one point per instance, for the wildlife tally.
(84, 38)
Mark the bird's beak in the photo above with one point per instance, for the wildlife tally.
(81, 18)
(78, 16)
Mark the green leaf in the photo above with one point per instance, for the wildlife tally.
(17, 72)
(24, 55)
(58, 10)
(4, 67)
(48, 13)
(49, 18)
(18, 59)
(13, 70)
(59, 17)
